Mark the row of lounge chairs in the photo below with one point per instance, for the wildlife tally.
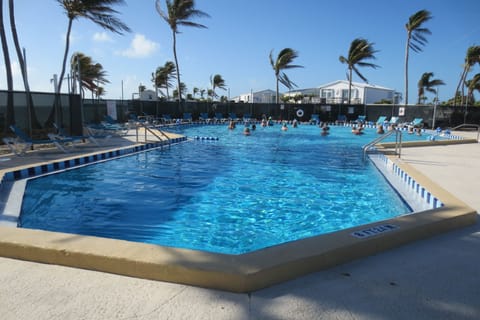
(96, 134)
(382, 120)
(204, 117)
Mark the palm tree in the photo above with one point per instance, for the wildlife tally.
(91, 74)
(284, 61)
(472, 85)
(10, 116)
(195, 91)
(427, 84)
(360, 50)
(472, 58)
(416, 39)
(99, 12)
(178, 13)
(217, 82)
(183, 90)
(33, 121)
(164, 75)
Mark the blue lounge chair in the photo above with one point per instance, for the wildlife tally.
(315, 118)
(341, 118)
(381, 120)
(361, 119)
(166, 118)
(232, 116)
(204, 117)
(187, 117)
(219, 117)
(22, 142)
(247, 117)
(417, 123)
(393, 121)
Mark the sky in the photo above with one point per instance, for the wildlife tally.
(239, 38)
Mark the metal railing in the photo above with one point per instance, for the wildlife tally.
(152, 132)
(468, 125)
(398, 142)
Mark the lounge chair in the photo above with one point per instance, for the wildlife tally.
(22, 142)
(204, 117)
(114, 126)
(361, 119)
(166, 118)
(417, 123)
(61, 134)
(187, 117)
(232, 116)
(315, 118)
(341, 118)
(381, 120)
(393, 121)
(247, 117)
(219, 117)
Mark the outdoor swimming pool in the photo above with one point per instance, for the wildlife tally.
(234, 195)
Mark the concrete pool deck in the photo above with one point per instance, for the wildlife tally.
(437, 277)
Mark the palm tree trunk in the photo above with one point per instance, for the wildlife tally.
(276, 96)
(462, 79)
(33, 120)
(350, 85)
(178, 72)
(10, 111)
(406, 69)
(67, 48)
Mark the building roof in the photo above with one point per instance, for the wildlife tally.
(355, 84)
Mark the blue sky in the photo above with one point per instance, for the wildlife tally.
(239, 38)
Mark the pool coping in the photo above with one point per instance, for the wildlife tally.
(246, 272)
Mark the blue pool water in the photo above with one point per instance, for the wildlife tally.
(234, 195)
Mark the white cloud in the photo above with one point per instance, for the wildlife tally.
(140, 47)
(101, 37)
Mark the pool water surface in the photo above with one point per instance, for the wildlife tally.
(232, 195)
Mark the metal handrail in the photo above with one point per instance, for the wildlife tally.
(140, 124)
(398, 142)
(468, 125)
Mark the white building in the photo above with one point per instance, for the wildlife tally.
(337, 92)
(264, 96)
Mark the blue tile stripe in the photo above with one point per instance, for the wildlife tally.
(81, 160)
(426, 196)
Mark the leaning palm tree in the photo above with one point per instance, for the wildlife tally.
(179, 13)
(427, 84)
(98, 11)
(472, 85)
(472, 58)
(91, 74)
(217, 82)
(284, 61)
(360, 50)
(416, 39)
(164, 75)
(10, 112)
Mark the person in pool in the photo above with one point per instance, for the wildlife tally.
(284, 126)
(246, 131)
(231, 125)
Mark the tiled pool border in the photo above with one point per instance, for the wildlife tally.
(246, 272)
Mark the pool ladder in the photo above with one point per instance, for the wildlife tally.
(154, 133)
(398, 142)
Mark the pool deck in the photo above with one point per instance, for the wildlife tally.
(433, 278)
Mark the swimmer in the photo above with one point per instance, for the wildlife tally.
(295, 123)
(380, 129)
(231, 125)
(284, 127)
(246, 131)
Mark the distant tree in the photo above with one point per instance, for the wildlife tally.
(427, 84)
(202, 93)
(416, 39)
(195, 91)
(284, 61)
(164, 75)
(179, 13)
(217, 82)
(472, 57)
(90, 73)
(183, 90)
(360, 50)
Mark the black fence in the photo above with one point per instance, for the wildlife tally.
(37, 114)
